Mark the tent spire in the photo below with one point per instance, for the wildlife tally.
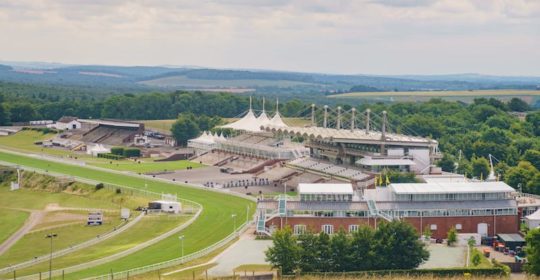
(263, 105)
(250, 103)
(277, 105)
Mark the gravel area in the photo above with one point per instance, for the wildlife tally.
(442, 256)
(245, 251)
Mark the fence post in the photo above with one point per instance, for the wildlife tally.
(40, 275)
(62, 274)
(127, 277)
(15, 274)
(112, 276)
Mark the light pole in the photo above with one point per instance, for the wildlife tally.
(233, 216)
(181, 237)
(51, 236)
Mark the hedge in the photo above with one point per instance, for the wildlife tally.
(436, 272)
(132, 152)
(110, 156)
(117, 151)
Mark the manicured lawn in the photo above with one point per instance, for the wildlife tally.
(214, 224)
(10, 222)
(35, 244)
(147, 166)
(139, 233)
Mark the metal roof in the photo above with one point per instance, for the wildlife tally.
(450, 187)
(511, 237)
(304, 188)
(384, 161)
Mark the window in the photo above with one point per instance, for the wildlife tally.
(328, 229)
(299, 229)
(353, 228)
(433, 227)
(458, 226)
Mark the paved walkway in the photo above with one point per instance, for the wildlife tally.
(442, 256)
(33, 220)
(246, 251)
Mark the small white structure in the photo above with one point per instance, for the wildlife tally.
(97, 149)
(16, 185)
(95, 218)
(173, 207)
(66, 123)
(125, 213)
(533, 220)
(325, 192)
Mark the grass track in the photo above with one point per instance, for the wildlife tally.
(10, 222)
(214, 224)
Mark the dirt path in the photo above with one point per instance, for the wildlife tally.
(35, 217)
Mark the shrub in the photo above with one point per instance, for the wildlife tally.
(110, 156)
(117, 151)
(132, 152)
(118, 191)
(99, 186)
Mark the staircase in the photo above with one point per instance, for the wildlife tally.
(374, 212)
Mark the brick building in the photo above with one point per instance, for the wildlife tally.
(486, 208)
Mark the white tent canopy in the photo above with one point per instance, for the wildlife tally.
(252, 123)
(97, 149)
(533, 220)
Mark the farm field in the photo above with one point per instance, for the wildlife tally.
(10, 222)
(214, 224)
(530, 96)
(139, 233)
(438, 93)
(186, 82)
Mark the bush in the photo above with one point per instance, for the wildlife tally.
(118, 191)
(117, 151)
(132, 152)
(110, 156)
(99, 186)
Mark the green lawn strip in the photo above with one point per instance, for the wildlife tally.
(147, 166)
(159, 224)
(214, 224)
(10, 222)
(248, 268)
(35, 244)
(484, 262)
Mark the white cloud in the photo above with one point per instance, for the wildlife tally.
(368, 36)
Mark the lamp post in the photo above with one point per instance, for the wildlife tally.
(51, 236)
(181, 237)
(233, 216)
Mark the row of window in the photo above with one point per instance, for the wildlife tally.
(410, 213)
(326, 197)
(328, 229)
(452, 196)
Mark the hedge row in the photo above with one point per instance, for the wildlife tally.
(126, 152)
(110, 156)
(44, 130)
(436, 272)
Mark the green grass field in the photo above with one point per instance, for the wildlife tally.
(159, 224)
(24, 142)
(146, 166)
(10, 222)
(35, 244)
(214, 224)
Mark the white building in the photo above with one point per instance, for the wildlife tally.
(173, 207)
(66, 123)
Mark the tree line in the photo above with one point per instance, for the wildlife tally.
(393, 245)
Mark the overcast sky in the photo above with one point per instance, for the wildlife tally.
(333, 36)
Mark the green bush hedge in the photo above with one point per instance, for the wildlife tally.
(436, 272)
(117, 151)
(131, 152)
(110, 156)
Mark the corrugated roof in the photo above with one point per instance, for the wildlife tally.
(450, 187)
(511, 237)
(384, 161)
(304, 188)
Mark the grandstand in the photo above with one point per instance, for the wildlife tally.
(110, 132)
(328, 169)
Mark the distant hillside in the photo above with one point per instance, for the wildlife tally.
(278, 83)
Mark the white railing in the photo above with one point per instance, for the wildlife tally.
(73, 248)
(174, 262)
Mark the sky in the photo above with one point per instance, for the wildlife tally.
(390, 37)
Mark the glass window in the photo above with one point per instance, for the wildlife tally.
(353, 228)
(299, 229)
(433, 227)
(328, 229)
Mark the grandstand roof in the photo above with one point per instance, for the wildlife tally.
(66, 119)
(304, 188)
(384, 161)
(253, 124)
(112, 123)
(346, 135)
(450, 187)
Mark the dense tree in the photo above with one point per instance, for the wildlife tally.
(447, 164)
(340, 255)
(480, 167)
(324, 253)
(308, 255)
(4, 115)
(532, 156)
(22, 112)
(284, 252)
(362, 249)
(523, 175)
(451, 236)
(518, 105)
(533, 252)
(184, 129)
